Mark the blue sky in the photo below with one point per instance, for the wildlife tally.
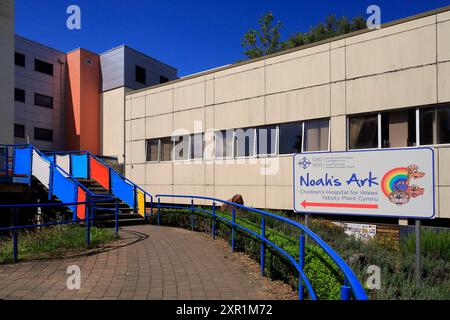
(191, 35)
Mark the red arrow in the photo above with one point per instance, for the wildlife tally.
(339, 205)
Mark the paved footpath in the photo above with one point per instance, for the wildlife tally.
(149, 262)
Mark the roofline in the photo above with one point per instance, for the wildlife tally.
(307, 46)
(139, 52)
(38, 43)
(82, 49)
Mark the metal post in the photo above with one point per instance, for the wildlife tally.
(151, 206)
(301, 264)
(263, 244)
(418, 263)
(88, 225)
(192, 214)
(14, 234)
(116, 213)
(233, 220)
(159, 210)
(306, 224)
(345, 292)
(213, 226)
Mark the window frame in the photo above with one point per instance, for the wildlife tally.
(16, 125)
(24, 95)
(24, 59)
(39, 61)
(235, 144)
(44, 96)
(136, 73)
(158, 140)
(44, 129)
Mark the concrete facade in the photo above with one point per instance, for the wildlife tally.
(33, 82)
(403, 65)
(7, 71)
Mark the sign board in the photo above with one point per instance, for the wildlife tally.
(358, 231)
(387, 183)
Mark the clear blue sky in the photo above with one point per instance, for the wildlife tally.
(192, 35)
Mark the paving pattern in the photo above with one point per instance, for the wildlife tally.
(149, 262)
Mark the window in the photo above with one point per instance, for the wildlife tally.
(140, 75)
(166, 149)
(153, 150)
(290, 137)
(398, 128)
(19, 59)
(316, 135)
(19, 131)
(435, 125)
(244, 142)
(43, 67)
(163, 79)
(266, 137)
(19, 95)
(224, 143)
(363, 132)
(43, 134)
(43, 100)
(181, 145)
(197, 146)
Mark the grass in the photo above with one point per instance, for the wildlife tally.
(52, 242)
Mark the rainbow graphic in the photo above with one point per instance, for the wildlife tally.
(395, 180)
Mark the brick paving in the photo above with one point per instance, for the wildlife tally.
(149, 262)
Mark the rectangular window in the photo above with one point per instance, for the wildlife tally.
(363, 132)
(244, 142)
(181, 145)
(224, 143)
(140, 75)
(43, 100)
(266, 143)
(197, 146)
(166, 149)
(316, 135)
(153, 150)
(163, 79)
(19, 59)
(398, 128)
(43, 134)
(19, 95)
(290, 138)
(43, 67)
(435, 125)
(19, 131)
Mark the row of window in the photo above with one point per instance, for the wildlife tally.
(39, 99)
(284, 138)
(39, 133)
(392, 129)
(402, 128)
(39, 65)
(140, 75)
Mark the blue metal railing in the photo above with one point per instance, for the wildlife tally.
(112, 173)
(351, 283)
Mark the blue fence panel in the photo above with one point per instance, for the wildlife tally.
(122, 189)
(22, 165)
(51, 158)
(79, 166)
(64, 189)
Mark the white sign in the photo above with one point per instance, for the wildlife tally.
(388, 183)
(359, 231)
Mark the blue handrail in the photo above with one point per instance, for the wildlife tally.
(351, 281)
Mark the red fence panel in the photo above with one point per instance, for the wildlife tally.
(81, 208)
(99, 173)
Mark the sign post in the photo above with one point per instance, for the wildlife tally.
(418, 262)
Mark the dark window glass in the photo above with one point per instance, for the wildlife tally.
(43, 101)
(427, 126)
(181, 151)
(266, 136)
(19, 59)
(224, 143)
(197, 146)
(153, 150)
(19, 131)
(363, 132)
(163, 79)
(166, 149)
(43, 67)
(443, 124)
(43, 134)
(19, 95)
(398, 128)
(245, 142)
(316, 135)
(140, 75)
(290, 137)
